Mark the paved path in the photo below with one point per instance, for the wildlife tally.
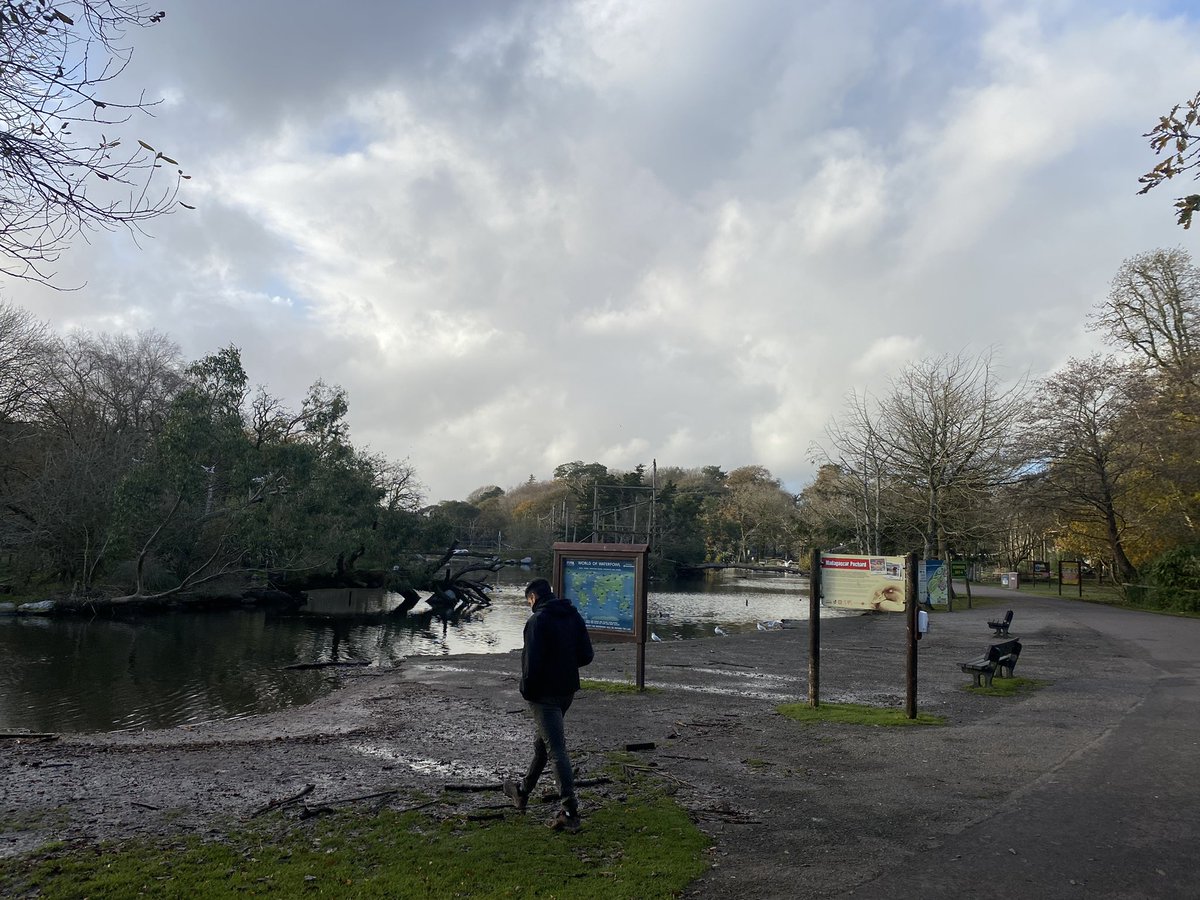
(1121, 816)
(1089, 787)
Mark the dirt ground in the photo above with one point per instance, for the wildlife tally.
(791, 809)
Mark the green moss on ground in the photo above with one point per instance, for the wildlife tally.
(643, 847)
(1007, 687)
(612, 687)
(855, 714)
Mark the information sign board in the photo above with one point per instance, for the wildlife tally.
(863, 582)
(936, 588)
(607, 584)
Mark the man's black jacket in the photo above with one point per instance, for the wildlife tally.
(556, 645)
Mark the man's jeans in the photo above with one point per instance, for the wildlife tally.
(552, 740)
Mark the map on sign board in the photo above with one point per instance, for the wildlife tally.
(603, 591)
(935, 588)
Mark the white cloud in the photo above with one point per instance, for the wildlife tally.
(522, 233)
(886, 355)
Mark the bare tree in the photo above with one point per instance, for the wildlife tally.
(1022, 523)
(936, 448)
(1089, 450)
(27, 352)
(858, 453)
(1153, 310)
(96, 411)
(831, 512)
(25, 344)
(63, 168)
(399, 487)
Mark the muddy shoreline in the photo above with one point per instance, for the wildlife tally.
(789, 808)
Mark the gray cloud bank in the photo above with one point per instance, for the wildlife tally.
(525, 233)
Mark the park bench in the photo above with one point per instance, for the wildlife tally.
(1000, 658)
(1001, 627)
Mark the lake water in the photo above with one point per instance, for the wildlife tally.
(80, 675)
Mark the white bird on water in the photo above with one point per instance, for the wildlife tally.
(770, 625)
(720, 630)
(654, 637)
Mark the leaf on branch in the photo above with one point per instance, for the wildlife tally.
(185, 205)
(63, 17)
(147, 146)
(1186, 206)
(166, 158)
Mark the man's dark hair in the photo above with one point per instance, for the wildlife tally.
(540, 588)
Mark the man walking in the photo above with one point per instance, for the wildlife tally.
(556, 646)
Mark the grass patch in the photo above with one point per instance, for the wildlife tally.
(1007, 687)
(612, 687)
(855, 714)
(643, 847)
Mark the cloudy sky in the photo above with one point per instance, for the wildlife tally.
(524, 233)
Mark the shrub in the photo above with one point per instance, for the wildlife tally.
(1173, 580)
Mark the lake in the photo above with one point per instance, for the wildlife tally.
(91, 675)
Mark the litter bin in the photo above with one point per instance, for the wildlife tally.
(1013, 580)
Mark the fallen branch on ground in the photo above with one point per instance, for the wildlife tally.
(276, 804)
(725, 815)
(325, 808)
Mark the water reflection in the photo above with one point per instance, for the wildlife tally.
(101, 675)
(186, 668)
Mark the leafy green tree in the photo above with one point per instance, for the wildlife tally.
(680, 535)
